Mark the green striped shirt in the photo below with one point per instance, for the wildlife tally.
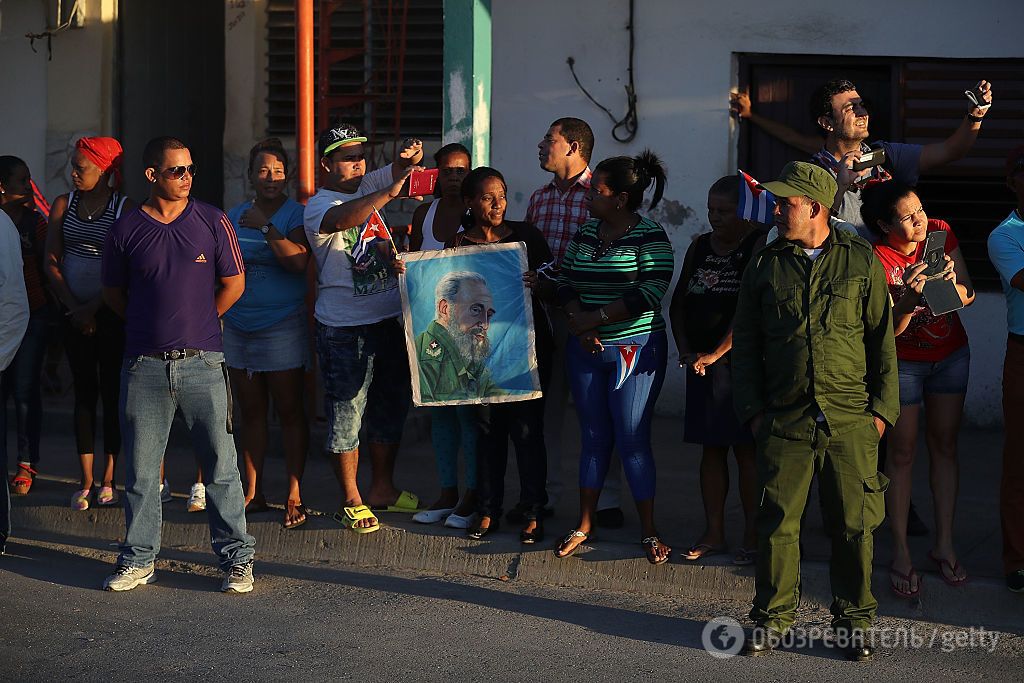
(636, 268)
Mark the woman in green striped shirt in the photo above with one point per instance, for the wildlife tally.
(614, 275)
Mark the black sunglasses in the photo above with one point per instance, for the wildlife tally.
(177, 172)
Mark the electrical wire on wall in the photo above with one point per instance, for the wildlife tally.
(628, 123)
(51, 32)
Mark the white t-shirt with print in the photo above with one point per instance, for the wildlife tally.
(346, 295)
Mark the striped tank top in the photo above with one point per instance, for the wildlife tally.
(84, 238)
(83, 246)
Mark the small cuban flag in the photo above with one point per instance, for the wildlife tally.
(373, 230)
(628, 355)
(756, 204)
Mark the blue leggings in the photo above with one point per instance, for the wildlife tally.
(610, 417)
(451, 426)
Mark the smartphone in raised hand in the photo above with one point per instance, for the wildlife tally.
(875, 157)
(421, 183)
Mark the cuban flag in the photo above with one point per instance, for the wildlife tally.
(756, 204)
(374, 230)
(626, 360)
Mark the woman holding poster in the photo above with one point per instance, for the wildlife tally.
(483, 192)
(616, 271)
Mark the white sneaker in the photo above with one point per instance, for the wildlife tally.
(126, 577)
(165, 492)
(197, 498)
(432, 516)
(455, 521)
(238, 579)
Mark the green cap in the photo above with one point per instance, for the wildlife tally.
(806, 179)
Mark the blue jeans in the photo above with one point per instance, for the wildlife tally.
(617, 418)
(151, 391)
(21, 379)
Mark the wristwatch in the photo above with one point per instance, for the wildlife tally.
(974, 119)
(266, 228)
(604, 316)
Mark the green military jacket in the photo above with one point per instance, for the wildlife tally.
(444, 373)
(815, 335)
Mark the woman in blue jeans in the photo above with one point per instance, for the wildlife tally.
(615, 273)
(21, 379)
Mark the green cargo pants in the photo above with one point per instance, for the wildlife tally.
(852, 494)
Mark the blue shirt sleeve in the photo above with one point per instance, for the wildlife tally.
(1006, 254)
(903, 161)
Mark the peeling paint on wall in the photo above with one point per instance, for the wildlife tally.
(671, 212)
(457, 98)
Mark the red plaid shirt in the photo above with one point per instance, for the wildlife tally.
(558, 216)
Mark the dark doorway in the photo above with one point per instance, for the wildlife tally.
(171, 77)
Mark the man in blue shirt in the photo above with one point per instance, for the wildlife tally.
(1006, 250)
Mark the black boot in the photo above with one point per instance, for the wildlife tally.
(760, 641)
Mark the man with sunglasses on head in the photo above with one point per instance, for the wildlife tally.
(171, 268)
(359, 339)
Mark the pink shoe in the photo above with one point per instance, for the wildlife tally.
(106, 496)
(80, 500)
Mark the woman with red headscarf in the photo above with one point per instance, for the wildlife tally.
(93, 333)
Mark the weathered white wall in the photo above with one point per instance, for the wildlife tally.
(23, 109)
(684, 68)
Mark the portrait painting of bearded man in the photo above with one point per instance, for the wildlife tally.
(468, 326)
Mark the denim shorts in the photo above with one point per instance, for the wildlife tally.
(366, 382)
(282, 346)
(947, 376)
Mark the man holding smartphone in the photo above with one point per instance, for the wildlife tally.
(839, 109)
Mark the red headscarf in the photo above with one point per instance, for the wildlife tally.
(106, 153)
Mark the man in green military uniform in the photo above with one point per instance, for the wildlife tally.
(814, 362)
(452, 351)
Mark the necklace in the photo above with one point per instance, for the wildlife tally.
(90, 214)
(606, 244)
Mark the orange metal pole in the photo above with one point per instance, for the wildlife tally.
(305, 133)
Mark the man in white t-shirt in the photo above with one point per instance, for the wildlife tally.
(359, 338)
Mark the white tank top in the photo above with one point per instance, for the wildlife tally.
(430, 242)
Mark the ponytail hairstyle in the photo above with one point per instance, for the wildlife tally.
(270, 146)
(633, 175)
(471, 186)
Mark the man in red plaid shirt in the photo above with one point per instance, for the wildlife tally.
(558, 210)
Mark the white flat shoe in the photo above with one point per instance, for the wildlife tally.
(455, 521)
(432, 516)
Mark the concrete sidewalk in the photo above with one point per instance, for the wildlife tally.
(613, 559)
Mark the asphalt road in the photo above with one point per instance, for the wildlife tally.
(322, 622)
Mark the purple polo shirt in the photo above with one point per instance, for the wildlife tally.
(171, 272)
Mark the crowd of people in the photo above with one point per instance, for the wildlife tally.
(805, 348)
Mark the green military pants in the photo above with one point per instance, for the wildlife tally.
(853, 505)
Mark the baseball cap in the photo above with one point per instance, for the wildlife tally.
(333, 138)
(800, 178)
(1015, 161)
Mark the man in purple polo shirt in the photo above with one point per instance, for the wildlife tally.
(172, 267)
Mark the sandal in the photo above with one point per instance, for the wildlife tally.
(297, 507)
(574, 534)
(350, 515)
(701, 550)
(22, 483)
(943, 565)
(80, 500)
(910, 577)
(106, 497)
(650, 546)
